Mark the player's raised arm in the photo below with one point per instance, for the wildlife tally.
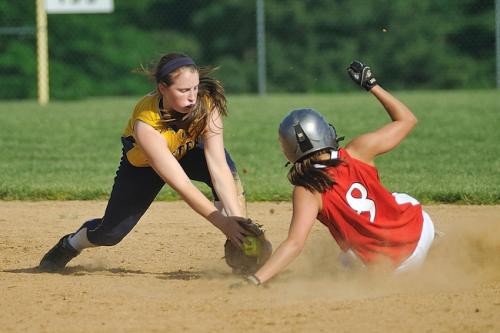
(367, 146)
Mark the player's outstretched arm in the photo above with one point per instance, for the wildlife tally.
(168, 168)
(217, 165)
(306, 206)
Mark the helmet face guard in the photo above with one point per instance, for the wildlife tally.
(305, 131)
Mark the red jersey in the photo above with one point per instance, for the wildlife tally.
(364, 216)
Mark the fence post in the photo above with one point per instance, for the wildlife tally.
(261, 47)
(497, 24)
(42, 53)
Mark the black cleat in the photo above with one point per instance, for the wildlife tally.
(58, 256)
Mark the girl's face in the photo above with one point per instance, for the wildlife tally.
(181, 95)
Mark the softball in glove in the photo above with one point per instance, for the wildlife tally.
(254, 253)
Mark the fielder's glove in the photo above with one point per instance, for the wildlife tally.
(362, 75)
(254, 253)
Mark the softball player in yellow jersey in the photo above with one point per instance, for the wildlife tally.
(174, 135)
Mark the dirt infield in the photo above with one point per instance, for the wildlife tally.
(168, 276)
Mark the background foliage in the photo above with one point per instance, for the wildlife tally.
(425, 44)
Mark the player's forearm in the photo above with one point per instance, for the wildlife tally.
(396, 109)
(281, 258)
(199, 203)
(224, 185)
(175, 177)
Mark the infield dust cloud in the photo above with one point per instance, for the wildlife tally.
(464, 257)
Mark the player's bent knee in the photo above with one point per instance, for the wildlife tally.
(110, 239)
(91, 224)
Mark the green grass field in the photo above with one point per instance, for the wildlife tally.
(70, 150)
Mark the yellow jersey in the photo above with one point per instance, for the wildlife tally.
(147, 110)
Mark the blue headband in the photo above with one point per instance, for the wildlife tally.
(172, 65)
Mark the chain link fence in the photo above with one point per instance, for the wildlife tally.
(261, 46)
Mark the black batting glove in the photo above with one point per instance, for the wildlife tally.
(362, 75)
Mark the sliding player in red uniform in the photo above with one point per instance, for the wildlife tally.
(174, 135)
(341, 188)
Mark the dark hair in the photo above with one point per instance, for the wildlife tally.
(210, 93)
(306, 173)
(160, 75)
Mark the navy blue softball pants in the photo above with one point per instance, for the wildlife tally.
(134, 190)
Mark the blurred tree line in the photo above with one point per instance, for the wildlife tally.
(417, 44)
